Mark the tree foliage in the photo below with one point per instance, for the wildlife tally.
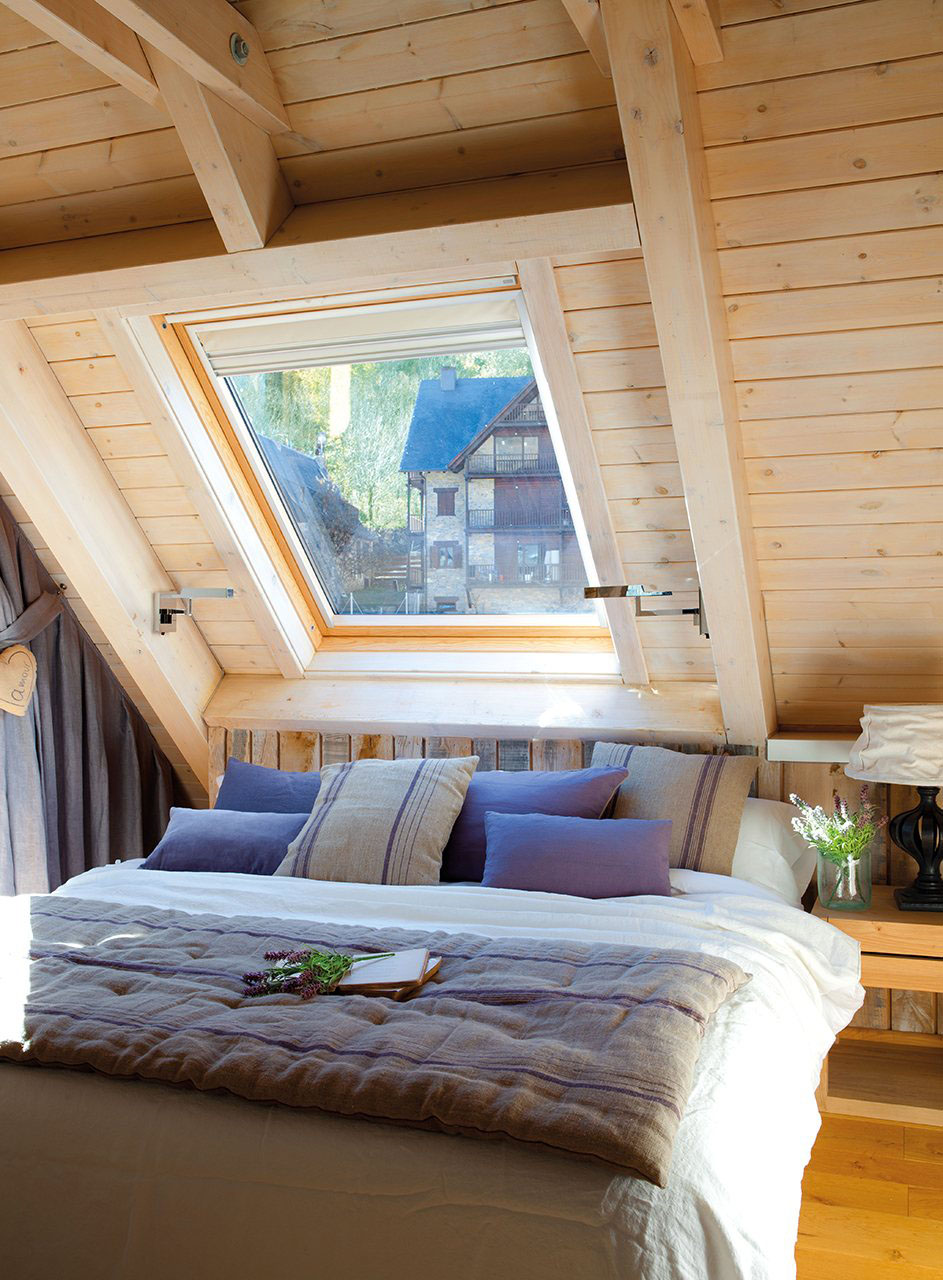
(293, 407)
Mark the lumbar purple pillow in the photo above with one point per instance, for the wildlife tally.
(255, 788)
(224, 840)
(578, 856)
(574, 793)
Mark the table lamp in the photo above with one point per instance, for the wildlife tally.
(903, 745)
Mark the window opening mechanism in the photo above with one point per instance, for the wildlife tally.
(171, 605)
(637, 592)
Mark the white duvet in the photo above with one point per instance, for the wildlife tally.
(152, 1182)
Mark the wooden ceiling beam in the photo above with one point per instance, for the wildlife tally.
(223, 120)
(232, 157)
(198, 37)
(557, 377)
(96, 35)
(446, 232)
(587, 18)
(56, 472)
(699, 21)
(653, 76)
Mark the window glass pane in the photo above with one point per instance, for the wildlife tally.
(420, 485)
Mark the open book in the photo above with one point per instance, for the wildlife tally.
(395, 975)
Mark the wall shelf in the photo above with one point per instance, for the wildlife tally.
(810, 748)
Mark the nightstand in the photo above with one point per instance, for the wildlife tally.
(890, 1075)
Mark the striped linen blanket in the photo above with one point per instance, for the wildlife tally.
(585, 1048)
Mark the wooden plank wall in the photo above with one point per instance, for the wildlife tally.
(609, 319)
(825, 144)
(305, 752)
(308, 751)
(97, 386)
(381, 97)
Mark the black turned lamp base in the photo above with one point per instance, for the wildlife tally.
(911, 899)
(919, 832)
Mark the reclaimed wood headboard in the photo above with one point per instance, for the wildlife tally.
(303, 752)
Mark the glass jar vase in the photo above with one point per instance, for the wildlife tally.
(845, 883)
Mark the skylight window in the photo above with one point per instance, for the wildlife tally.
(408, 449)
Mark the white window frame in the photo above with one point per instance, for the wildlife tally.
(452, 292)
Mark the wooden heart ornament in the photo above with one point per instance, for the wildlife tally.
(17, 679)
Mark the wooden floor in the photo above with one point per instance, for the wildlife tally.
(872, 1203)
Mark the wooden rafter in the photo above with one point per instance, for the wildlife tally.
(587, 18)
(198, 462)
(196, 34)
(563, 401)
(223, 113)
(96, 35)
(653, 76)
(699, 21)
(232, 158)
(82, 516)
(450, 232)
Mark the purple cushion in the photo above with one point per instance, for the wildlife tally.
(575, 793)
(223, 840)
(579, 856)
(254, 788)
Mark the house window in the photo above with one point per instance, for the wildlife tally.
(446, 555)
(445, 502)
(345, 412)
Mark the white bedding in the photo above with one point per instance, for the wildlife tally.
(151, 1182)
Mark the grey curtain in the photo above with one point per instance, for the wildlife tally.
(82, 781)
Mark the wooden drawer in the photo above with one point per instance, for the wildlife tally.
(903, 973)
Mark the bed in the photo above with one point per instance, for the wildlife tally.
(135, 1179)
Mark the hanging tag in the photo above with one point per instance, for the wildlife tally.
(17, 679)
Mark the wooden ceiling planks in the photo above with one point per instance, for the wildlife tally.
(380, 98)
(827, 204)
(824, 148)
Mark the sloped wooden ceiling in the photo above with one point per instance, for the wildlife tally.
(823, 140)
(824, 147)
(380, 97)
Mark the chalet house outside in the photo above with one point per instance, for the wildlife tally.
(490, 530)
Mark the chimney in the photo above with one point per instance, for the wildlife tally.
(447, 378)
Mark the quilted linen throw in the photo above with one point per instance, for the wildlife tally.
(588, 1049)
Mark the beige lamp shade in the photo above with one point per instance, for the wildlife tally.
(902, 744)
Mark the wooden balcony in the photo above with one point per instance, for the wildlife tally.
(491, 465)
(555, 517)
(543, 575)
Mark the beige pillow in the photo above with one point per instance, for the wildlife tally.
(702, 795)
(380, 821)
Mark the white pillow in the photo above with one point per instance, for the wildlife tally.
(770, 853)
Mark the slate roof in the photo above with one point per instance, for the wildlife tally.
(444, 422)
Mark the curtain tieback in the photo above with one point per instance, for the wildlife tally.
(34, 618)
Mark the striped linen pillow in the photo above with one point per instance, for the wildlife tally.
(702, 795)
(380, 821)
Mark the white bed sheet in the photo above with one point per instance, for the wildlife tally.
(147, 1181)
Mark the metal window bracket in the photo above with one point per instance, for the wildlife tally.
(171, 605)
(638, 593)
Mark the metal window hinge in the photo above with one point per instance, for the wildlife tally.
(638, 593)
(171, 605)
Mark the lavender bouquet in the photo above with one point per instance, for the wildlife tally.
(303, 973)
(842, 839)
